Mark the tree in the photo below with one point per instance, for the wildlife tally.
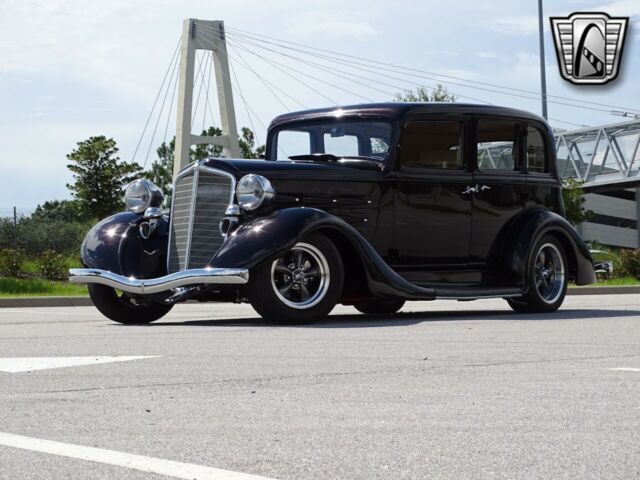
(161, 171)
(247, 142)
(99, 176)
(573, 199)
(421, 94)
(59, 211)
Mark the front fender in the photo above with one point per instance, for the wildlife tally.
(114, 244)
(535, 223)
(262, 240)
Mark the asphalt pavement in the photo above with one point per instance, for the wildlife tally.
(441, 390)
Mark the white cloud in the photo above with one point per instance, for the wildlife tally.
(331, 24)
(514, 25)
(488, 55)
(626, 8)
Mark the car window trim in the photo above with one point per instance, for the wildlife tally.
(518, 159)
(463, 136)
(547, 159)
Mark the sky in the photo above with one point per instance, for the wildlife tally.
(71, 69)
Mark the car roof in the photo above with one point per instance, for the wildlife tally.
(399, 109)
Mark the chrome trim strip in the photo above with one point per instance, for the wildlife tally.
(198, 166)
(197, 276)
(192, 212)
(479, 297)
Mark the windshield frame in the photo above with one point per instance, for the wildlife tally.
(271, 150)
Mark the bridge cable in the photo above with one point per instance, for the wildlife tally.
(469, 86)
(173, 58)
(164, 100)
(239, 32)
(332, 70)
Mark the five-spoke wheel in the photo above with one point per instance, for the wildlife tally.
(301, 286)
(546, 278)
(301, 277)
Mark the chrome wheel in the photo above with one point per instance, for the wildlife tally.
(300, 279)
(549, 273)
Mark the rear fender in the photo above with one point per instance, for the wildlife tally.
(530, 227)
(264, 239)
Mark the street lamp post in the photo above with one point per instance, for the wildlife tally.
(543, 77)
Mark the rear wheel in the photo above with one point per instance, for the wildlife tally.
(300, 287)
(121, 308)
(546, 279)
(379, 306)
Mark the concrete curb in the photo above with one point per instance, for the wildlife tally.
(590, 290)
(28, 302)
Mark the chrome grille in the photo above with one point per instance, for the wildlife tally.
(201, 197)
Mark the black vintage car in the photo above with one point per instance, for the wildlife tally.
(367, 205)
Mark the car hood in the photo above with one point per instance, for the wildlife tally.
(292, 169)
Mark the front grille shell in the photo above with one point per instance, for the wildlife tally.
(201, 196)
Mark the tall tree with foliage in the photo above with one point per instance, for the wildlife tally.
(573, 199)
(99, 176)
(161, 171)
(422, 94)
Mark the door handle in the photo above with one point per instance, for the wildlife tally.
(469, 190)
(482, 188)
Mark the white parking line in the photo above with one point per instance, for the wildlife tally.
(126, 460)
(29, 364)
(625, 369)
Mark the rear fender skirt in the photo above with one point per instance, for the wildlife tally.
(114, 244)
(530, 227)
(262, 240)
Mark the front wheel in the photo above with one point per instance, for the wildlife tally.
(546, 279)
(301, 286)
(121, 308)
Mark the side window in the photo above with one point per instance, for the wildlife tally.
(497, 145)
(293, 142)
(432, 144)
(535, 151)
(341, 145)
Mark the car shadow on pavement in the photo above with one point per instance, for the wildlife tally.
(412, 318)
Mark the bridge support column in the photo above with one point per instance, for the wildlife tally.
(204, 35)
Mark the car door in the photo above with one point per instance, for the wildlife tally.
(500, 188)
(432, 206)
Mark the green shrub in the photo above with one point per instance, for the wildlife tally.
(630, 262)
(36, 234)
(11, 261)
(53, 265)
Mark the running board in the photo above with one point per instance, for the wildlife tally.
(475, 293)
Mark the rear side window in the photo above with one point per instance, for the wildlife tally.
(432, 144)
(535, 151)
(497, 145)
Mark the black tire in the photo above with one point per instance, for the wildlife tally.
(278, 292)
(546, 278)
(379, 306)
(123, 309)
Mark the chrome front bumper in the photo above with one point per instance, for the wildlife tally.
(197, 276)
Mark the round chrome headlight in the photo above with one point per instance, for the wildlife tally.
(142, 194)
(253, 191)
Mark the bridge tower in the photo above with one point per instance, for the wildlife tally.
(204, 35)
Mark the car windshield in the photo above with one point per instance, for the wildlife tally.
(342, 139)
